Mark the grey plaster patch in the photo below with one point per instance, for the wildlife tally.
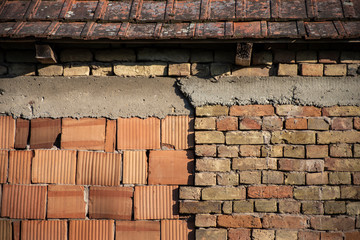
(317, 91)
(112, 97)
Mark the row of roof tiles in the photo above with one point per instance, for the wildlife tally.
(178, 10)
(215, 30)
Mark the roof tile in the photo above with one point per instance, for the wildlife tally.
(81, 10)
(48, 10)
(283, 29)
(317, 30)
(14, 10)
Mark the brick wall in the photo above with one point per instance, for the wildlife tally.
(94, 178)
(202, 60)
(275, 172)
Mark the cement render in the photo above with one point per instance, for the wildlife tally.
(316, 91)
(112, 97)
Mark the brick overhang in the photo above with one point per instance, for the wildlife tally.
(157, 20)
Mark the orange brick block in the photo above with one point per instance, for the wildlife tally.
(20, 167)
(171, 167)
(135, 167)
(85, 133)
(7, 132)
(4, 159)
(110, 138)
(252, 110)
(177, 132)
(91, 230)
(24, 201)
(54, 166)
(133, 230)
(66, 202)
(44, 230)
(156, 202)
(176, 229)
(44, 132)
(96, 168)
(110, 202)
(21, 133)
(136, 133)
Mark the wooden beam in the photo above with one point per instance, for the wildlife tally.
(243, 54)
(45, 54)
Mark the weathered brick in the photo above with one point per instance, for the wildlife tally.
(356, 178)
(284, 222)
(254, 163)
(76, 55)
(295, 178)
(220, 69)
(257, 71)
(318, 124)
(250, 123)
(338, 137)
(342, 123)
(289, 206)
(341, 111)
(353, 69)
(307, 235)
(286, 235)
(227, 123)
(101, 69)
(228, 179)
(238, 233)
(193, 207)
(284, 56)
(272, 151)
(260, 234)
(224, 56)
(335, 69)
(50, 70)
(328, 223)
(350, 192)
(252, 110)
(200, 55)
(239, 221)
(205, 179)
(341, 164)
(270, 191)
(245, 206)
(213, 165)
(356, 150)
(23, 56)
(353, 208)
(208, 123)
(214, 110)
(250, 177)
(321, 178)
(211, 234)
(21, 69)
(329, 56)
(200, 70)
(76, 69)
(272, 123)
(141, 69)
(272, 177)
(264, 205)
(298, 111)
(312, 70)
(312, 207)
(205, 150)
(337, 178)
(331, 236)
(228, 151)
(287, 70)
(250, 150)
(317, 151)
(334, 207)
(223, 193)
(206, 137)
(180, 69)
(352, 235)
(249, 137)
(296, 123)
(294, 151)
(317, 193)
(111, 55)
(357, 123)
(306, 56)
(163, 54)
(293, 137)
(350, 57)
(205, 220)
(313, 165)
(190, 193)
(262, 58)
(227, 207)
(3, 70)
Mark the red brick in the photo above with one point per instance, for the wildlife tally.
(249, 123)
(44, 132)
(7, 132)
(252, 110)
(171, 167)
(4, 160)
(357, 123)
(284, 221)
(91, 230)
(110, 202)
(332, 236)
(270, 192)
(352, 235)
(66, 202)
(110, 135)
(239, 221)
(317, 151)
(205, 150)
(85, 133)
(309, 235)
(22, 133)
(146, 230)
(227, 123)
(342, 123)
(296, 123)
(136, 133)
(334, 224)
(239, 233)
(43, 230)
(312, 70)
(177, 132)
(298, 111)
(20, 167)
